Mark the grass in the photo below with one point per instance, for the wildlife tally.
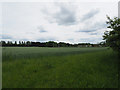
(59, 68)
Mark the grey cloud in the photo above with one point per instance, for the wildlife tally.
(91, 40)
(90, 15)
(41, 29)
(100, 25)
(93, 28)
(72, 40)
(25, 39)
(65, 16)
(41, 39)
(93, 33)
(46, 39)
(6, 36)
(87, 30)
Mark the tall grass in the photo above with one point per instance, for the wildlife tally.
(83, 69)
(15, 53)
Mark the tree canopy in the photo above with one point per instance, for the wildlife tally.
(112, 37)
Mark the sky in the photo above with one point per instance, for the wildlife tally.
(71, 22)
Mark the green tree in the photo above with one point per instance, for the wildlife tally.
(28, 43)
(112, 37)
(20, 43)
(15, 43)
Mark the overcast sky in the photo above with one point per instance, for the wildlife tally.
(72, 22)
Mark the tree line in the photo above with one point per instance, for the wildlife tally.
(47, 44)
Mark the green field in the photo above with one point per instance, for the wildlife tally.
(37, 67)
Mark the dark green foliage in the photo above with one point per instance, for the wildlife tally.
(47, 44)
(15, 43)
(113, 37)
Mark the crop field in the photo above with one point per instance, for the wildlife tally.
(42, 67)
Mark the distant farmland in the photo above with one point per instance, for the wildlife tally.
(37, 67)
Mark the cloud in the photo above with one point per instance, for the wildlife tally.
(62, 16)
(65, 16)
(43, 39)
(93, 33)
(5, 36)
(91, 40)
(87, 30)
(71, 39)
(24, 39)
(95, 27)
(90, 15)
(41, 29)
